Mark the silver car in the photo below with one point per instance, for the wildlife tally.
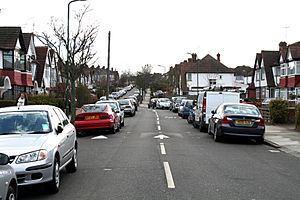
(115, 104)
(40, 141)
(8, 179)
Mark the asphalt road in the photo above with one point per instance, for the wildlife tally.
(140, 162)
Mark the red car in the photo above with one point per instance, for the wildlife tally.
(97, 117)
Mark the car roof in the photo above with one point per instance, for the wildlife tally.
(27, 108)
(238, 104)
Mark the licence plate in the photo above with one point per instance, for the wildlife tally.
(91, 117)
(243, 122)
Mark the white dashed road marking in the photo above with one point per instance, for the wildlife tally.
(162, 149)
(169, 176)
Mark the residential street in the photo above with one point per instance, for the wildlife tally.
(158, 155)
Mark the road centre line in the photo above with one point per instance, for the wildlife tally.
(162, 149)
(158, 127)
(169, 176)
(157, 122)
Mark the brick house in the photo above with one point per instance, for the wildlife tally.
(15, 70)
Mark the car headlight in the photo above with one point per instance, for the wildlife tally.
(32, 156)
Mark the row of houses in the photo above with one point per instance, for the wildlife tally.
(275, 74)
(26, 67)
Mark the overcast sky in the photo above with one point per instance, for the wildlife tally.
(163, 32)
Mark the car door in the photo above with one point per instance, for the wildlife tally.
(66, 137)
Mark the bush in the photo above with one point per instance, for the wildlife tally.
(84, 96)
(297, 116)
(5, 103)
(46, 100)
(279, 111)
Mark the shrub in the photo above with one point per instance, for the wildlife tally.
(5, 103)
(46, 100)
(84, 96)
(279, 111)
(297, 116)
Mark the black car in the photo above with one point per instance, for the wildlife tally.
(237, 119)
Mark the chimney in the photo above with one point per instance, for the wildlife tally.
(194, 57)
(218, 57)
(282, 46)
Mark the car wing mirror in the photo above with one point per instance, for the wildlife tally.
(59, 128)
(4, 159)
(213, 112)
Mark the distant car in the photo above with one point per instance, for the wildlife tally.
(127, 106)
(163, 103)
(191, 117)
(8, 180)
(237, 119)
(176, 103)
(40, 142)
(184, 108)
(136, 102)
(152, 102)
(120, 112)
(97, 117)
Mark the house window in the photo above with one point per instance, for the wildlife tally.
(239, 78)
(8, 59)
(257, 75)
(283, 69)
(291, 68)
(212, 82)
(19, 60)
(297, 63)
(263, 74)
(189, 76)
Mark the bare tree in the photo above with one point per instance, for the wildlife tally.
(80, 51)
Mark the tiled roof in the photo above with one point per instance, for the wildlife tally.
(270, 59)
(41, 54)
(27, 38)
(243, 71)
(9, 36)
(208, 64)
(295, 50)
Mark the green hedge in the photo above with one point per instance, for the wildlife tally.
(279, 111)
(37, 100)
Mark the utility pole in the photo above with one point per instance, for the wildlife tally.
(108, 63)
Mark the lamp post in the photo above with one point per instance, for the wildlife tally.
(68, 57)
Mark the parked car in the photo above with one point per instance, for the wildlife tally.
(40, 141)
(191, 117)
(184, 108)
(135, 102)
(210, 100)
(237, 119)
(8, 180)
(127, 106)
(93, 117)
(152, 102)
(176, 103)
(163, 103)
(120, 112)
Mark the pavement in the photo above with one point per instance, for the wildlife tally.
(283, 137)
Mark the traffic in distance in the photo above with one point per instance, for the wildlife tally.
(40, 146)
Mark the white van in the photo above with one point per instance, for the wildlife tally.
(208, 101)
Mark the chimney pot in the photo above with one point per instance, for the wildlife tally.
(218, 57)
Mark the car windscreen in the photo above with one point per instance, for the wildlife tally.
(241, 110)
(94, 108)
(123, 102)
(22, 122)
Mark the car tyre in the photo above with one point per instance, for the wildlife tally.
(72, 166)
(11, 193)
(195, 125)
(260, 140)
(217, 138)
(201, 126)
(54, 184)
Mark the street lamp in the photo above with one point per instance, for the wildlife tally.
(165, 69)
(68, 57)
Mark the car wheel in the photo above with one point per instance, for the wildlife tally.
(209, 129)
(260, 140)
(11, 194)
(217, 138)
(201, 126)
(54, 184)
(112, 130)
(72, 166)
(195, 125)
(123, 123)
(118, 127)
(79, 133)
